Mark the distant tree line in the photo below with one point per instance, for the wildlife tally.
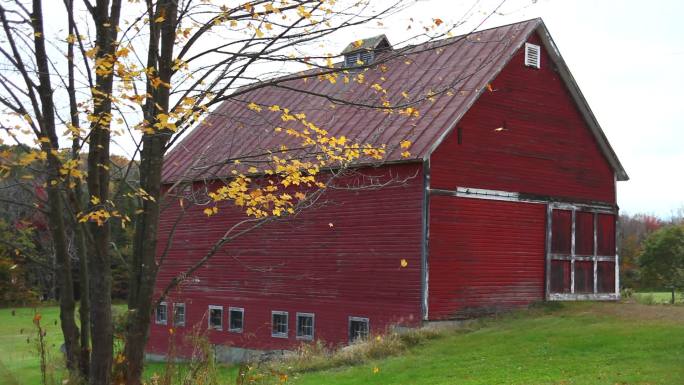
(651, 251)
(27, 260)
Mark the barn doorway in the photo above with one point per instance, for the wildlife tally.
(581, 253)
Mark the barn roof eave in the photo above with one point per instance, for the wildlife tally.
(413, 159)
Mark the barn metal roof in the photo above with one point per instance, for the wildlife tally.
(454, 70)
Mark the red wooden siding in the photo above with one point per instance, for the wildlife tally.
(560, 276)
(485, 255)
(561, 235)
(336, 261)
(606, 234)
(584, 277)
(606, 277)
(584, 233)
(545, 147)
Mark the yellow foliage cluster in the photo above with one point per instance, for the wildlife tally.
(271, 196)
(101, 212)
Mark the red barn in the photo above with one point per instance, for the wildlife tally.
(508, 197)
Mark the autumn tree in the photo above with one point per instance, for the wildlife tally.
(632, 232)
(662, 260)
(145, 72)
(17, 253)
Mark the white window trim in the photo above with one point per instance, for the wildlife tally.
(156, 314)
(287, 324)
(313, 326)
(231, 309)
(357, 319)
(215, 307)
(185, 314)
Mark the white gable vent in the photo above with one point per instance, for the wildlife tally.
(532, 55)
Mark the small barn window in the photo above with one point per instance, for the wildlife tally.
(215, 317)
(161, 314)
(236, 319)
(582, 259)
(178, 314)
(358, 329)
(305, 326)
(279, 324)
(532, 55)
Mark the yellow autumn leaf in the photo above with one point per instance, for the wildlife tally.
(405, 144)
(403, 262)
(254, 107)
(209, 211)
(94, 200)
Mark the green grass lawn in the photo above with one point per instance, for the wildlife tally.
(19, 360)
(580, 343)
(658, 297)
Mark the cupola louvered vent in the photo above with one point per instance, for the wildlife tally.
(532, 55)
(358, 58)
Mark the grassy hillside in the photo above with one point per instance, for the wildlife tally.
(580, 344)
(576, 343)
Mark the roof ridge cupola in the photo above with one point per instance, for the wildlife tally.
(364, 51)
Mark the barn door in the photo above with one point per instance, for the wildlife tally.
(581, 260)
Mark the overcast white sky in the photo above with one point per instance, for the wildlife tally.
(628, 58)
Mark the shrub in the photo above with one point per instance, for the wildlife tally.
(627, 293)
(318, 355)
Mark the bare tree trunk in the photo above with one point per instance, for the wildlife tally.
(67, 304)
(99, 262)
(144, 271)
(55, 200)
(84, 310)
(143, 264)
(76, 198)
(672, 300)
